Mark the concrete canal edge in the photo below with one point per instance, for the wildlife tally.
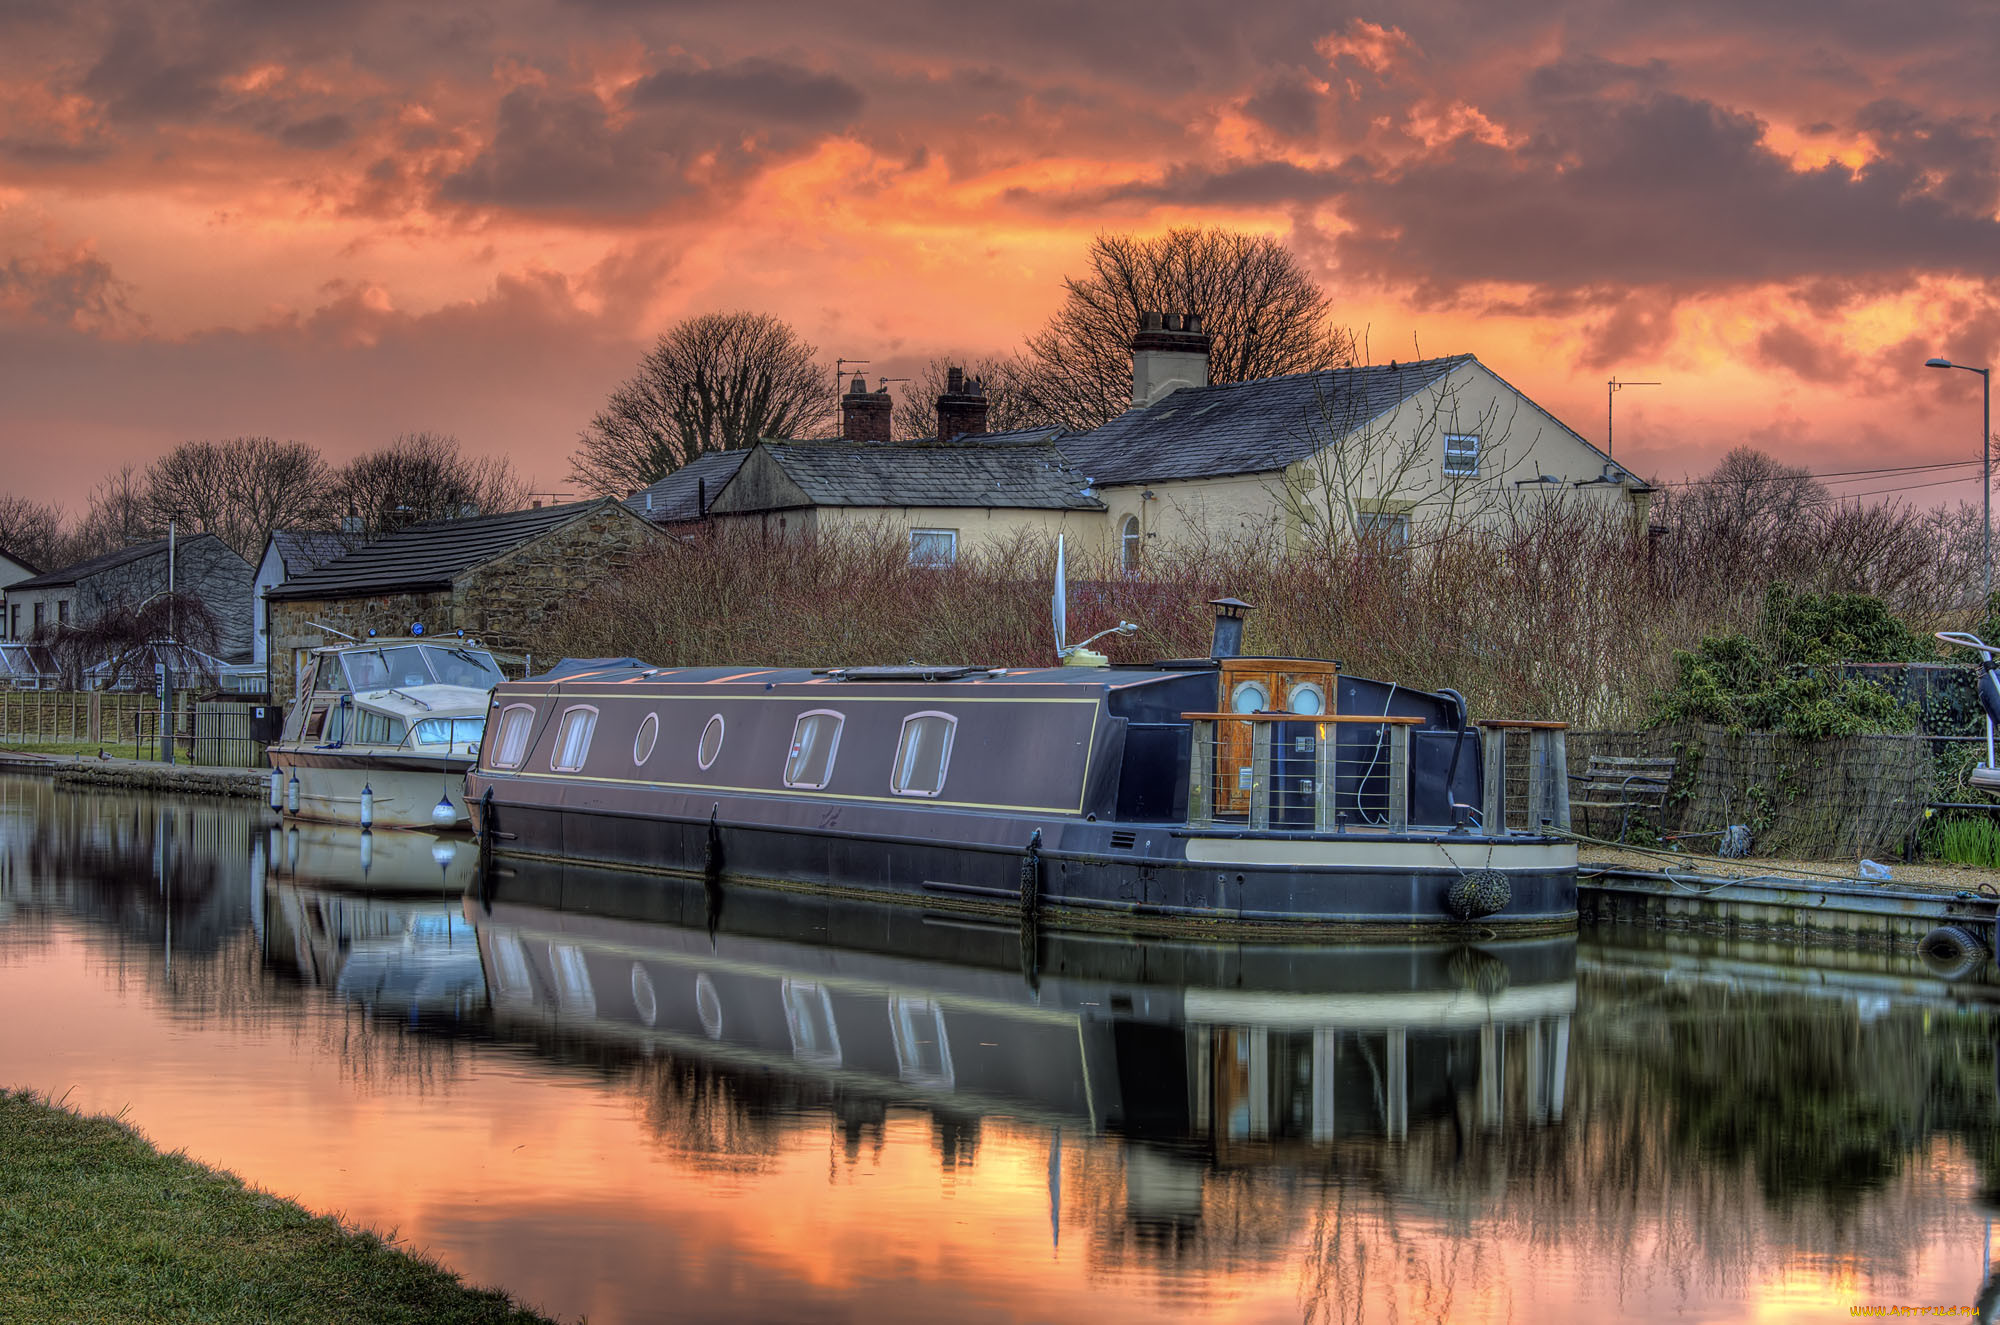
(1824, 911)
(140, 775)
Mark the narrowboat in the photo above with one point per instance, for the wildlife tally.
(383, 733)
(1226, 794)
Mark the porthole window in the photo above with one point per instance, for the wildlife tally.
(516, 721)
(1249, 697)
(711, 742)
(815, 740)
(923, 754)
(645, 1000)
(573, 739)
(708, 1006)
(649, 735)
(1306, 698)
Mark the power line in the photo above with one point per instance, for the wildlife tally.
(1833, 474)
(1910, 487)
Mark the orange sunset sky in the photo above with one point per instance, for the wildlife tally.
(341, 220)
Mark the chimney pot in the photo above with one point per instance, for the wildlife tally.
(864, 414)
(954, 380)
(1193, 323)
(1170, 351)
(1173, 322)
(1151, 322)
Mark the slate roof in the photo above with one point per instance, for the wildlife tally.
(674, 497)
(427, 556)
(302, 549)
(83, 570)
(1247, 427)
(22, 562)
(1020, 470)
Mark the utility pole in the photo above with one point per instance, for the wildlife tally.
(1611, 389)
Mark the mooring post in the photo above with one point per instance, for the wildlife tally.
(1493, 798)
(1399, 778)
(1201, 773)
(1548, 778)
(1261, 736)
(1326, 771)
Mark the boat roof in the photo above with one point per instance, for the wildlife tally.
(622, 672)
(427, 701)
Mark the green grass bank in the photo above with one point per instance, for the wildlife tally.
(98, 1225)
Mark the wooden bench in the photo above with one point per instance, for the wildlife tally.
(1623, 783)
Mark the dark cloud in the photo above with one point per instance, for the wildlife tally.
(138, 80)
(1287, 103)
(1803, 355)
(756, 90)
(76, 290)
(1593, 75)
(562, 155)
(317, 133)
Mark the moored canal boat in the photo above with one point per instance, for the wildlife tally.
(1221, 794)
(384, 732)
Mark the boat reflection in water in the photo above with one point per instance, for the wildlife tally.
(1244, 1053)
(353, 859)
(416, 959)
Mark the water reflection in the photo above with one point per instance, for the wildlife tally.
(613, 1097)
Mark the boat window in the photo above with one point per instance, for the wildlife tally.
(1306, 698)
(574, 995)
(451, 731)
(815, 738)
(809, 1017)
(365, 668)
(573, 738)
(516, 721)
(1249, 697)
(472, 668)
(330, 676)
(923, 1052)
(923, 754)
(645, 999)
(711, 742)
(406, 666)
(649, 735)
(371, 728)
(316, 722)
(336, 724)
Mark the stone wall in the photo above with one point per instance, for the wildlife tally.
(503, 603)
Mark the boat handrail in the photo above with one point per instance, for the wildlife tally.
(1356, 718)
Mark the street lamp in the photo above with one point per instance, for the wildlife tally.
(1985, 472)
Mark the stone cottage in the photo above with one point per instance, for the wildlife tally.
(201, 566)
(496, 578)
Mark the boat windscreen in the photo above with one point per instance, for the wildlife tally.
(473, 668)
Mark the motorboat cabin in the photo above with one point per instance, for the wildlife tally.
(384, 732)
(1223, 793)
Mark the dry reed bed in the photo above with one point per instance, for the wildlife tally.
(1560, 613)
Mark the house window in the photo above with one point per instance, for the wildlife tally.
(516, 721)
(14, 622)
(1383, 531)
(1461, 455)
(573, 738)
(62, 611)
(38, 616)
(1128, 545)
(649, 734)
(933, 547)
(711, 742)
(923, 754)
(815, 738)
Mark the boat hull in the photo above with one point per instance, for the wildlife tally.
(1170, 880)
(406, 788)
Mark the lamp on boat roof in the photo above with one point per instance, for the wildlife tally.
(1229, 612)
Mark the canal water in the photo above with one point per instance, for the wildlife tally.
(633, 1100)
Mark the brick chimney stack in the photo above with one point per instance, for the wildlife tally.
(864, 414)
(962, 407)
(1170, 352)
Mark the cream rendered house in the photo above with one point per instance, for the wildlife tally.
(1392, 452)
(1395, 453)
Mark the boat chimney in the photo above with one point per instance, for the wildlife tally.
(1228, 626)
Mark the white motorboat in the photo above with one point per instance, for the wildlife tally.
(384, 734)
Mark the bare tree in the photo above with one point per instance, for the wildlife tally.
(424, 476)
(241, 489)
(117, 516)
(125, 634)
(713, 383)
(1265, 315)
(34, 532)
(1006, 407)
